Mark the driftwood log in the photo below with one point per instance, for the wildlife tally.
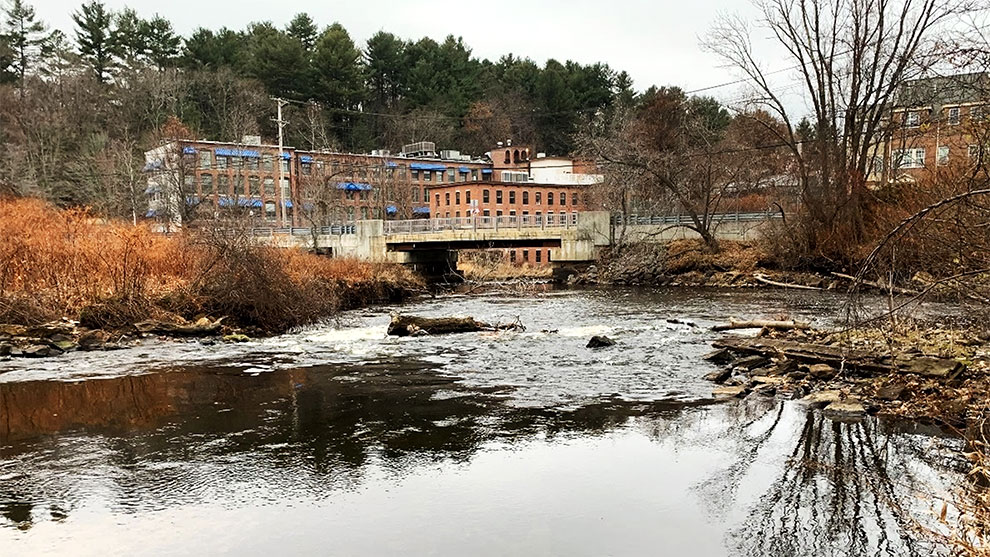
(408, 325)
(202, 328)
(761, 324)
(878, 285)
(765, 280)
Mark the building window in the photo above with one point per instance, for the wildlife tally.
(415, 175)
(563, 198)
(512, 212)
(450, 175)
(415, 195)
(446, 198)
(549, 218)
(474, 174)
(943, 155)
(498, 196)
(206, 183)
(285, 166)
(876, 165)
(427, 176)
(438, 200)
(223, 184)
(270, 187)
(222, 163)
(467, 197)
(573, 217)
(525, 196)
(574, 198)
(457, 197)
(953, 118)
(912, 119)
(440, 176)
(189, 180)
(457, 215)
(976, 113)
(254, 185)
(512, 196)
(538, 255)
(486, 196)
(306, 168)
(364, 213)
(270, 210)
(908, 158)
(267, 163)
(549, 198)
(525, 255)
(976, 153)
(537, 197)
(402, 172)
(498, 213)
(486, 213)
(252, 163)
(205, 159)
(508, 157)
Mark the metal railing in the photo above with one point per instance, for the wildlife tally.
(619, 219)
(333, 230)
(418, 226)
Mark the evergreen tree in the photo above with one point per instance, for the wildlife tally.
(160, 42)
(128, 30)
(206, 49)
(556, 109)
(7, 73)
(97, 39)
(279, 61)
(336, 62)
(302, 29)
(385, 70)
(24, 37)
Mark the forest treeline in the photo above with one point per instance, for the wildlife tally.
(118, 77)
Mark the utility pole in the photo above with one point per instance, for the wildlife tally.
(281, 173)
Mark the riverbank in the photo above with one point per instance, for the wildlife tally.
(68, 279)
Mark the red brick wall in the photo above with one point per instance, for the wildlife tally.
(516, 199)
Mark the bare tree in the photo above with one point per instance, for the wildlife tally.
(851, 56)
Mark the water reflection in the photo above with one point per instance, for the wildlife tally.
(755, 478)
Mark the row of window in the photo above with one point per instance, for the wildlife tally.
(539, 215)
(953, 116)
(915, 158)
(486, 197)
(537, 254)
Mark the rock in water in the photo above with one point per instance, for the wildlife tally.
(600, 341)
(718, 376)
(36, 351)
(849, 409)
(719, 357)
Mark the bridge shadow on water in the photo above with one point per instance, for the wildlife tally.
(779, 480)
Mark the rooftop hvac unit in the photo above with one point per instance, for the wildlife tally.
(450, 155)
(380, 152)
(420, 149)
(251, 140)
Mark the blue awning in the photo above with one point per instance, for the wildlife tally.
(152, 189)
(426, 166)
(151, 213)
(421, 210)
(287, 203)
(227, 152)
(306, 159)
(153, 165)
(391, 209)
(240, 202)
(391, 164)
(464, 170)
(188, 150)
(486, 170)
(192, 200)
(353, 186)
(286, 156)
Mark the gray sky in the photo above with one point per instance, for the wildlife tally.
(657, 42)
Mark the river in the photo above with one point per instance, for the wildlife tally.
(338, 440)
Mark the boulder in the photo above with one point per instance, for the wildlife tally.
(822, 398)
(730, 392)
(931, 367)
(719, 375)
(843, 410)
(749, 362)
(600, 341)
(90, 340)
(890, 391)
(718, 357)
(821, 371)
(202, 327)
(236, 337)
(37, 351)
(5, 349)
(407, 325)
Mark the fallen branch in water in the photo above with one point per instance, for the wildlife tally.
(879, 285)
(765, 280)
(761, 324)
(410, 325)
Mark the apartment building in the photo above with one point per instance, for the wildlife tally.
(937, 124)
(551, 202)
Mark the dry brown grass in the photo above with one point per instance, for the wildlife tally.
(684, 256)
(66, 263)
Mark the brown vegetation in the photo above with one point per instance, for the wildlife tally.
(67, 263)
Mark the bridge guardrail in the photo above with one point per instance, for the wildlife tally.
(656, 220)
(333, 230)
(425, 226)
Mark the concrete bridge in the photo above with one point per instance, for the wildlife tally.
(572, 238)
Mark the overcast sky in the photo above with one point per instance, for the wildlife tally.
(657, 41)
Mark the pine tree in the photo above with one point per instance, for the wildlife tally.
(279, 61)
(160, 42)
(336, 62)
(97, 39)
(303, 30)
(25, 37)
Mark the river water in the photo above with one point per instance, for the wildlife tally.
(337, 440)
